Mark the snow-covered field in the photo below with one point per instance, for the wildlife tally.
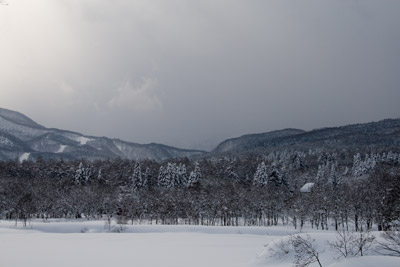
(88, 243)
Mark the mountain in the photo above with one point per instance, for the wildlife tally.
(252, 141)
(374, 135)
(22, 138)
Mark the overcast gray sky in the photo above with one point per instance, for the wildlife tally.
(191, 73)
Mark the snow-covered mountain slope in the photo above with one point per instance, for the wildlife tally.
(381, 134)
(21, 136)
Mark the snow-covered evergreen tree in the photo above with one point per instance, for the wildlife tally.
(297, 162)
(320, 174)
(369, 163)
(277, 175)
(194, 176)
(357, 168)
(261, 175)
(136, 180)
(180, 176)
(146, 177)
(161, 181)
(334, 177)
(171, 175)
(82, 174)
(361, 167)
(231, 170)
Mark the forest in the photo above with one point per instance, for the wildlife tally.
(345, 189)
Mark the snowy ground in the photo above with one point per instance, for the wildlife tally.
(89, 244)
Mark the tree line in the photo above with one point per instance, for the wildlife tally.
(349, 189)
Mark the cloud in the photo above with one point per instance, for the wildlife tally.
(66, 88)
(140, 97)
(186, 71)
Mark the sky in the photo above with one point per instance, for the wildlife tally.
(191, 73)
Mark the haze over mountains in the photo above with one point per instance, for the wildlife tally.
(23, 139)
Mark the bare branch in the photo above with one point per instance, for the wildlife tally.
(306, 251)
(363, 241)
(343, 244)
(391, 245)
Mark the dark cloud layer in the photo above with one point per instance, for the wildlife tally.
(191, 73)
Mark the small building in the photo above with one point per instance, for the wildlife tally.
(306, 188)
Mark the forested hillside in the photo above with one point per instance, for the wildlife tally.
(383, 134)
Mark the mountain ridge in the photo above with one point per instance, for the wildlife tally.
(19, 118)
(231, 143)
(383, 133)
(22, 138)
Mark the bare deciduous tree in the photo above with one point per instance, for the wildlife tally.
(344, 244)
(391, 245)
(363, 241)
(352, 244)
(280, 249)
(306, 251)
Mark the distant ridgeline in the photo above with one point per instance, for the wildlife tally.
(375, 136)
(23, 139)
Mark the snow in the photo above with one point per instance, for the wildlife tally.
(24, 157)
(47, 244)
(5, 141)
(87, 243)
(83, 140)
(119, 146)
(369, 261)
(62, 148)
(306, 188)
